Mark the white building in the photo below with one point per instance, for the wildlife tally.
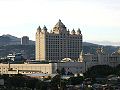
(100, 58)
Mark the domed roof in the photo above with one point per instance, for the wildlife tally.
(60, 24)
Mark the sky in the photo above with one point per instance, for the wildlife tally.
(99, 20)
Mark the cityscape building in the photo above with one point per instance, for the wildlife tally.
(25, 40)
(58, 44)
(64, 49)
(15, 57)
(81, 65)
(100, 58)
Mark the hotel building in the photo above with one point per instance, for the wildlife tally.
(58, 44)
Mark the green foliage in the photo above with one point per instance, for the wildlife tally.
(92, 48)
(75, 80)
(31, 82)
(17, 81)
(27, 50)
(99, 71)
(55, 80)
(40, 85)
(117, 70)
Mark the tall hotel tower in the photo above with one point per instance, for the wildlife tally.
(58, 44)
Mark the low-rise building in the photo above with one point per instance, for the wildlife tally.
(81, 65)
(15, 57)
(100, 58)
(45, 68)
(27, 68)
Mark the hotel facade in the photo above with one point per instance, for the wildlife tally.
(58, 44)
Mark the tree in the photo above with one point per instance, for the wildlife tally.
(117, 70)
(63, 72)
(75, 80)
(99, 71)
(55, 82)
(58, 71)
(40, 85)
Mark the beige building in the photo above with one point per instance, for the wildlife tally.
(45, 68)
(58, 44)
(85, 61)
(29, 68)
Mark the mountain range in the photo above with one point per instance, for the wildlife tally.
(10, 44)
(106, 43)
(12, 40)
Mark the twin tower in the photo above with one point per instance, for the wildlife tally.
(58, 44)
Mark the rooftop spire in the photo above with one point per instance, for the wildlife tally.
(44, 28)
(60, 24)
(73, 32)
(81, 58)
(39, 29)
(59, 20)
(78, 31)
(59, 27)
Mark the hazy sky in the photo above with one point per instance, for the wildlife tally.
(99, 20)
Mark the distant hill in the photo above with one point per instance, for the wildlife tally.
(11, 44)
(29, 50)
(90, 44)
(91, 48)
(11, 40)
(106, 43)
(12, 37)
